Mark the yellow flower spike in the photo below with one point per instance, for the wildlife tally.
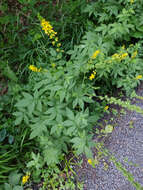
(134, 54)
(90, 161)
(48, 29)
(138, 77)
(95, 54)
(106, 108)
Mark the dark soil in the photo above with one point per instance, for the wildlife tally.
(125, 142)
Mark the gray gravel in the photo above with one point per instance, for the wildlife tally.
(124, 142)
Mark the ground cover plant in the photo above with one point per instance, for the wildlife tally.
(61, 62)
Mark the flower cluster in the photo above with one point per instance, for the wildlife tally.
(119, 57)
(25, 179)
(48, 29)
(124, 55)
(92, 76)
(34, 69)
(95, 54)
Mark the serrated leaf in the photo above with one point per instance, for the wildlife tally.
(27, 96)
(70, 130)
(88, 152)
(68, 123)
(31, 108)
(70, 114)
(14, 178)
(18, 188)
(23, 103)
(37, 130)
(51, 156)
(39, 106)
(18, 120)
(7, 186)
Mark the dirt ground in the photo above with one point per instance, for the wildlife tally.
(126, 143)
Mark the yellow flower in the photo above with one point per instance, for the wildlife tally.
(134, 54)
(53, 42)
(57, 49)
(34, 69)
(106, 107)
(138, 77)
(25, 179)
(95, 54)
(131, 1)
(56, 39)
(53, 65)
(90, 161)
(59, 44)
(124, 55)
(92, 76)
(51, 36)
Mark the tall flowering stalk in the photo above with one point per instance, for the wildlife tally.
(48, 29)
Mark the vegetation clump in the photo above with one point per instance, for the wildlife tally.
(60, 69)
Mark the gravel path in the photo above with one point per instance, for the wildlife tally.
(126, 141)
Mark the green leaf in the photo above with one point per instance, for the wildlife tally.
(10, 139)
(14, 178)
(2, 134)
(68, 123)
(88, 153)
(70, 114)
(37, 130)
(18, 188)
(79, 144)
(31, 108)
(39, 106)
(51, 155)
(7, 186)
(19, 119)
(23, 103)
(70, 131)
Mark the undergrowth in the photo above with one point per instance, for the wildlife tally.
(61, 62)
